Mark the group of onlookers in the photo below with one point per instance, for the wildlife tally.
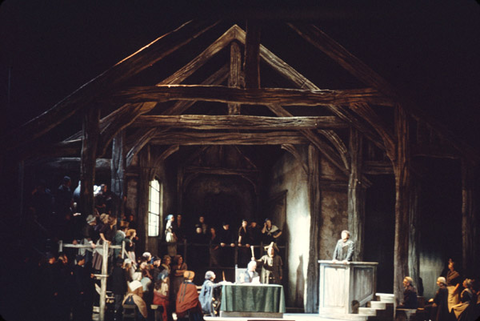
(454, 300)
(215, 246)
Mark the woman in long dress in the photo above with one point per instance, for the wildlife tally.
(170, 236)
(178, 268)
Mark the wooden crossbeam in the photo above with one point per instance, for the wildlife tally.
(226, 138)
(204, 122)
(250, 96)
(111, 78)
(292, 75)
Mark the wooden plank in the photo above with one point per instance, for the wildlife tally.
(216, 78)
(378, 124)
(378, 168)
(235, 77)
(252, 54)
(224, 138)
(402, 198)
(311, 305)
(221, 171)
(204, 122)
(328, 151)
(186, 71)
(140, 140)
(301, 81)
(111, 78)
(356, 194)
(120, 121)
(342, 56)
(364, 73)
(250, 96)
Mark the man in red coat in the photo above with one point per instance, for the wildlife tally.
(187, 299)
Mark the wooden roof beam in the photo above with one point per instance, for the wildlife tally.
(203, 122)
(250, 96)
(111, 78)
(226, 138)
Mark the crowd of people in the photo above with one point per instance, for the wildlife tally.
(455, 299)
(67, 290)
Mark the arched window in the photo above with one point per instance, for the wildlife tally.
(154, 207)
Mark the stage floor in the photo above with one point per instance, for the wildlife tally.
(286, 316)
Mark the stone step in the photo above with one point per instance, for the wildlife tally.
(385, 297)
(367, 311)
(339, 316)
(378, 305)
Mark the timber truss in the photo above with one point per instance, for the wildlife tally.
(230, 107)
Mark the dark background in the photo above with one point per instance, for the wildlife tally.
(428, 49)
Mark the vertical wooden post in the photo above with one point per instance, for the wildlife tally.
(143, 193)
(402, 187)
(103, 282)
(118, 172)
(356, 193)
(469, 224)
(234, 80)
(252, 55)
(413, 253)
(315, 223)
(91, 120)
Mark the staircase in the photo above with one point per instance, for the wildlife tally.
(380, 310)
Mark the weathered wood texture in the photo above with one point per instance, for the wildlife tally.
(378, 124)
(217, 78)
(222, 138)
(328, 151)
(139, 140)
(378, 168)
(111, 78)
(91, 118)
(145, 162)
(413, 240)
(470, 240)
(402, 200)
(311, 305)
(250, 96)
(252, 54)
(199, 61)
(206, 122)
(302, 82)
(365, 74)
(118, 172)
(235, 78)
(356, 194)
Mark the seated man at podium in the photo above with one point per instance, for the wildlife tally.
(344, 249)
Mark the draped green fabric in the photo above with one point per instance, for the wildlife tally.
(253, 298)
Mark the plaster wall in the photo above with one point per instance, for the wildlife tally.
(334, 207)
(288, 174)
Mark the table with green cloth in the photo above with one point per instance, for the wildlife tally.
(245, 300)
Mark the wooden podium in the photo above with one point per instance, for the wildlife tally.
(343, 285)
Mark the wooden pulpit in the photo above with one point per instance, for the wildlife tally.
(343, 286)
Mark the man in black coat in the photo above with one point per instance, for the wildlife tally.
(119, 286)
(83, 288)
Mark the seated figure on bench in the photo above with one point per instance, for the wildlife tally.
(187, 305)
(410, 300)
(135, 297)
